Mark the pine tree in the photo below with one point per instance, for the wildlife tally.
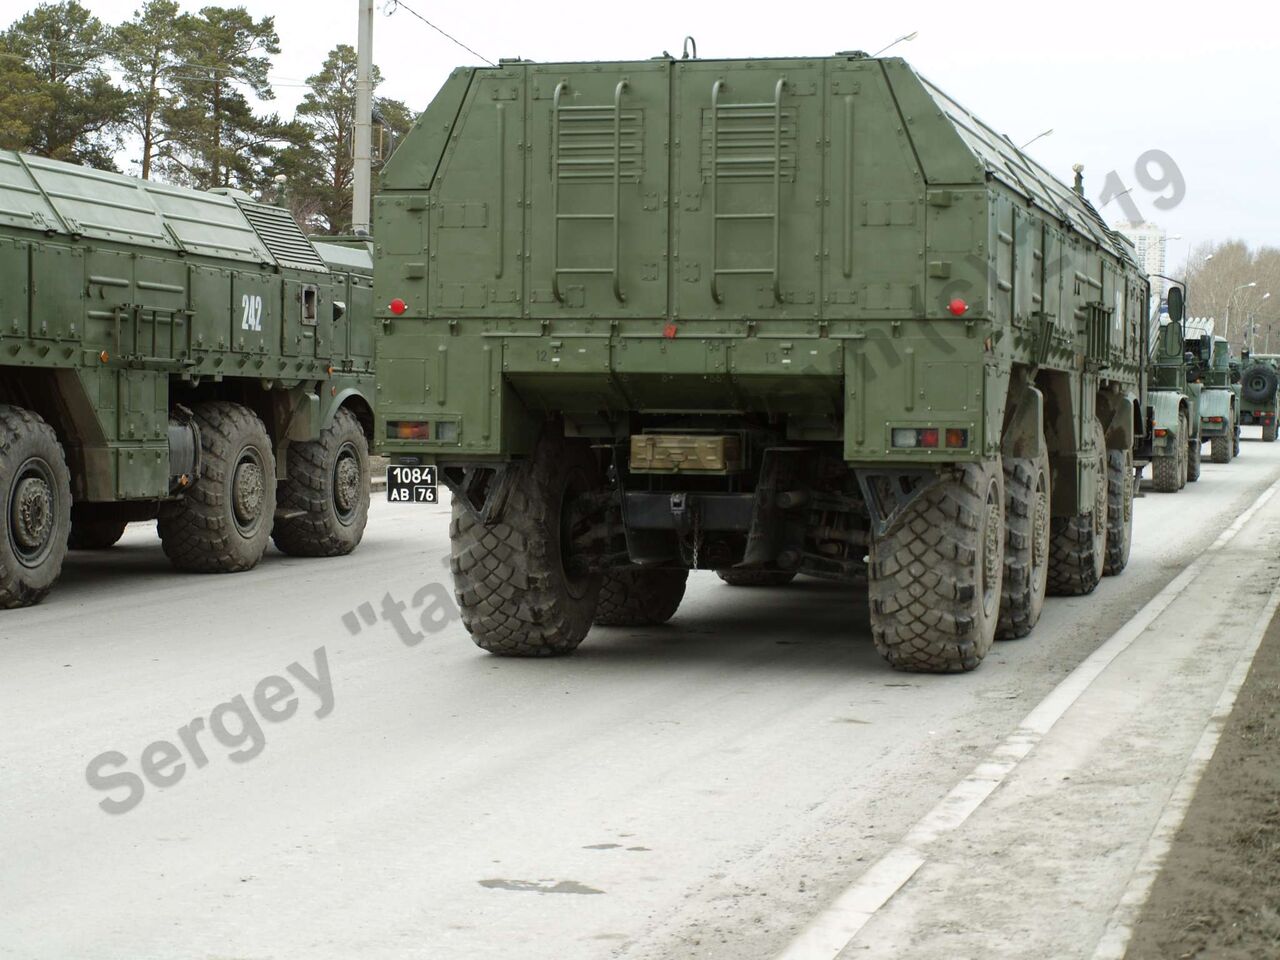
(216, 138)
(321, 166)
(146, 51)
(58, 100)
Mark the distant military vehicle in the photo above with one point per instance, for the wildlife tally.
(1258, 395)
(1219, 398)
(762, 317)
(174, 354)
(1172, 442)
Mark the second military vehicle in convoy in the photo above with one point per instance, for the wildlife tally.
(172, 354)
(1171, 443)
(1210, 360)
(761, 317)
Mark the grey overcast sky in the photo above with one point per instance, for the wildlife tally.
(1112, 79)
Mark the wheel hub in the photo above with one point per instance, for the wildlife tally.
(31, 513)
(248, 492)
(346, 484)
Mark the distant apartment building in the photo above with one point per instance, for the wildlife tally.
(1151, 242)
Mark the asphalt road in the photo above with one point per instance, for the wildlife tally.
(705, 789)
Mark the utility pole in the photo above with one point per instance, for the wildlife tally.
(362, 175)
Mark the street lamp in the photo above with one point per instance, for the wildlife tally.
(1226, 324)
(1253, 325)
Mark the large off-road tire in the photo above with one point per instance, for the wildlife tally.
(1119, 511)
(329, 482)
(1194, 450)
(935, 578)
(223, 522)
(1269, 432)
(1026, 544)
(1220, 449)
(517, 596)
(1078, 543)
(640, 597)
(35, 495)
(95, 533)
(756, 578)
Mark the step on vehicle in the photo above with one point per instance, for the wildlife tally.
(758, 317)
(176, 355)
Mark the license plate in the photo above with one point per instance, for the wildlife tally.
(411, 484)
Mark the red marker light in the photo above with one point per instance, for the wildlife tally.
(958, 307)
(669, 331)
(398, 306)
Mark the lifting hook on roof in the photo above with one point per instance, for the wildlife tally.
(690, 42)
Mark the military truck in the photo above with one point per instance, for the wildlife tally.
(173, 354)
(1210, 359)
(1259, 403)
(1172, 442)
(761, 317)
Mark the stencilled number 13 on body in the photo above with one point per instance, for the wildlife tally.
(251, 309)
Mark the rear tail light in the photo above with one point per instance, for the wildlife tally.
(1161, 433)
(408, 430)
(929, 438)
(1211, 419)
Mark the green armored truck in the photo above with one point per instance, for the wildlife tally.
(173, 354)
(1259, 403)
(761, 317)
(1210, 359)
(1172, 442)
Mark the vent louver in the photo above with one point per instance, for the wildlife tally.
(280, 234)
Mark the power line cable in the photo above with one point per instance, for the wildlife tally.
(394, 5)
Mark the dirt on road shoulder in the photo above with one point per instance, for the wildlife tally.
(1218, 896)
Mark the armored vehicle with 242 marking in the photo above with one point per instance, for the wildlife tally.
(175, 354)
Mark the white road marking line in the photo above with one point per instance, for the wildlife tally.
(833, 929)
(1119, 929)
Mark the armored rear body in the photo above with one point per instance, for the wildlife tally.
(827, 259)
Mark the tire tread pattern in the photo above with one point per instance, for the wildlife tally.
(1017, 600)
(507, 575)
(1075, 548)
(1220, 447)
(924, 595)
(640, 597)
(21, 427)
(1119, 519)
